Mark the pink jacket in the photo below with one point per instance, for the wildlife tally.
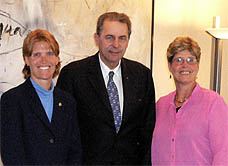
(195, 136)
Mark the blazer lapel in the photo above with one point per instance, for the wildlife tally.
(35, 104)
(59, 115)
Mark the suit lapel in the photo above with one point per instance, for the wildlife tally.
(98, 85)
(97, 81)
(129, 89)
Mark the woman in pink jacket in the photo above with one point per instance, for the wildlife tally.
(191, 122)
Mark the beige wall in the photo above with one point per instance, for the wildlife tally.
(73, 23)
(172, 18)
(187, 17)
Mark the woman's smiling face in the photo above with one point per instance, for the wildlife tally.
(42, 62)
(184, 67)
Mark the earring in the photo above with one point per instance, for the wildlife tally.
(170, 76)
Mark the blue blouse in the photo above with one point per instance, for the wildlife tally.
(46, 98)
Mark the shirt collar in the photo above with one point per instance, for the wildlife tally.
(40, 89)
(105, 69)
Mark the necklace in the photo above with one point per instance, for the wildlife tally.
(180, 101)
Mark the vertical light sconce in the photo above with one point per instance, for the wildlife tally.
(218, 34)
(217, 21)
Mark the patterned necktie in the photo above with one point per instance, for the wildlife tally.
(114, 101)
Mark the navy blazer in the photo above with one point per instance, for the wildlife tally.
(101, 145)
(27, 136)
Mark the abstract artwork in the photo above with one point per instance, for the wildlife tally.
(73, 23)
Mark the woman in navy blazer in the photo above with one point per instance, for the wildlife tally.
(39, 122)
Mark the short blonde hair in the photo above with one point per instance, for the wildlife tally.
(182, 43)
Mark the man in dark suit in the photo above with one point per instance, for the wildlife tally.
(115, 98)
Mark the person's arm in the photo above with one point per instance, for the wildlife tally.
(12, 145)
(218, 132)
(148, 121)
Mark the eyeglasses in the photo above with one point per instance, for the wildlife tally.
(189, 60)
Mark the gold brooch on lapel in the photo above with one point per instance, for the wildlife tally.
(60, 104)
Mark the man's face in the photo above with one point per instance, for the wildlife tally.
(112, 42)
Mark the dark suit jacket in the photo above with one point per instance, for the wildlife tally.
(27, 137)
(101, 145)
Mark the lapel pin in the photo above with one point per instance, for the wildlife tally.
(60, 104)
